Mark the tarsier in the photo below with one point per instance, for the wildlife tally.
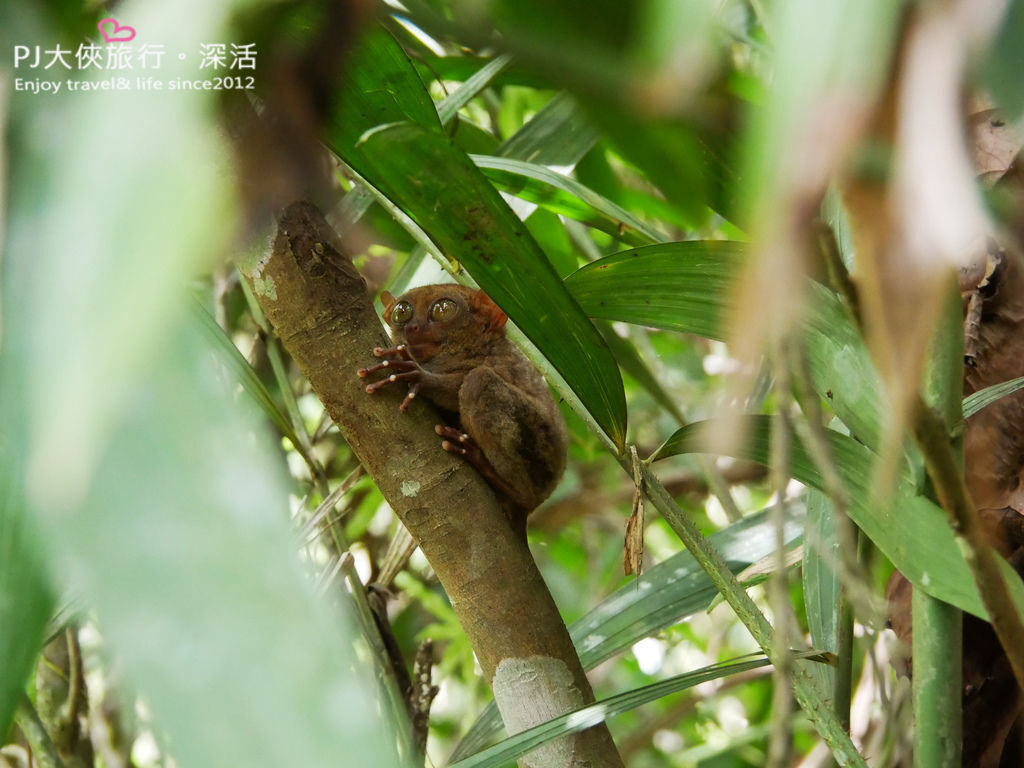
(451, 348)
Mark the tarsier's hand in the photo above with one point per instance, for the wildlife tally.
(404, 368)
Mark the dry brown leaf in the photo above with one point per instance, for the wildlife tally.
(994, 144)
(633, 547)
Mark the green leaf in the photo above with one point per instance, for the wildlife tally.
(596, 172)
(687, 287)
(228, 354)
(821, 571)
(380, 86)
(26, 598)
(430, 66)
(984, 397)
(558, 135)
(1004, 61)
(470, 89)
(471, 138)
(417, 170)
(911, 531)
(693, 171)
(675, 286)
(585, 717)
(153, 489)
(566, 196)
(200, 511)
(840, 366)
(353, 205)
(551, 235)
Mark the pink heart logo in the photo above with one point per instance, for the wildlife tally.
(119, 34)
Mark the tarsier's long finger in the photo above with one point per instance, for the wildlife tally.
(400, 350)
(395, 365)
(413, 389)
(408, 376)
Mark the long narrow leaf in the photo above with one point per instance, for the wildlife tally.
(911, 531)
(566, 196)
(480, 79)
(975, 402)
(228, 354)
(820, 571)
(359, 199)
(675, 588)
(840, 366)
(676, 286)
(820, 577)
(559, 135)
(380, 86)
(687, 287)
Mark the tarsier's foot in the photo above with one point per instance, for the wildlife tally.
(457, 441)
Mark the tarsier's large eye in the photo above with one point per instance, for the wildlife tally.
(443, 309)
(402, 313)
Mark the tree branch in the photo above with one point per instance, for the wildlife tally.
(318, 304)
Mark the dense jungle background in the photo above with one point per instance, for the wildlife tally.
(767, 255)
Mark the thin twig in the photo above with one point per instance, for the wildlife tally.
(400, 549)
(76, 696)
(780, 745)
(838, 275)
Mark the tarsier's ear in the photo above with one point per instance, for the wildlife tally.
(389, 303)
(487, 313)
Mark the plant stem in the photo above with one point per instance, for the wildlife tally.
(780, 744)
(842, 689)
(937, 650)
